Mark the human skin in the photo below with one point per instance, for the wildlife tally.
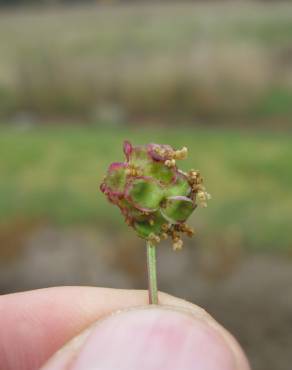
(111, 329)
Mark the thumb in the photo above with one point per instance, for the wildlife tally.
(152, 338)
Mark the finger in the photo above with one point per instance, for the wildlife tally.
(151, 338)
(35, 324)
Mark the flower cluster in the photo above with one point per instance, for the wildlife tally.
(155, 197)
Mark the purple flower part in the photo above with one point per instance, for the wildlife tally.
(180, 197)
(127, 214)
(139, 152)
(182, 175)
(128, 148)
(160, 152)
(103, 187)
(130, 199)
(112, 198)
(113, 195)
(117, 166)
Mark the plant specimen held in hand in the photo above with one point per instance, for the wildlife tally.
(155, 197)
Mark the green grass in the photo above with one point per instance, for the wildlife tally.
(53, 175)
(275, 103)
(204, 61)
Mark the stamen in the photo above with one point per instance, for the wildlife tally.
(170, 163)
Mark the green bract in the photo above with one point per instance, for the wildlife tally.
(155, 197)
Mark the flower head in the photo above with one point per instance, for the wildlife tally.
(155, 197)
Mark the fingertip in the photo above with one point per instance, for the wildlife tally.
(151, 338)
(180, 303)
(202, 314)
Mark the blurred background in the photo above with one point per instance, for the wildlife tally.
(77, 78)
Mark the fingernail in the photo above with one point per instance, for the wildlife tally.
(148, 339)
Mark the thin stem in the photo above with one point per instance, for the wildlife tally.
(152, 274)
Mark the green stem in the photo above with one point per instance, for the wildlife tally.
(152, 275)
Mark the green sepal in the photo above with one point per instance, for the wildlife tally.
(145, 228)
(160, 172)
(116, 178)
(145, 194)
(177, 209)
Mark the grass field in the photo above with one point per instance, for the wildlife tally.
(53, 175)
(172, 63)
(218, 62)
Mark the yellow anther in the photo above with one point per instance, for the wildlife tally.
(194, 175)
(198, 188)
(203, 197)
(184, 151)
(133, 171)
(154, 238)
(164, 236)
(181, 154)
(160, 151)
(188, 230)
(177, 244)
(170, 163)
(164, 227)
(151, 222)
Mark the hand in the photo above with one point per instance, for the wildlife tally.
(175, 335)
